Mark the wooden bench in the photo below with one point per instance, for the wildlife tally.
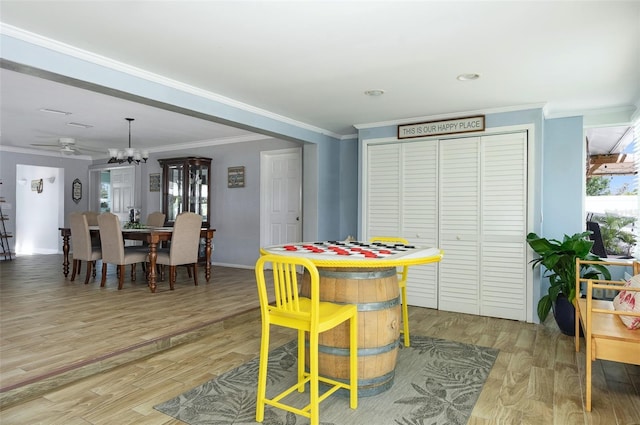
(606, 337)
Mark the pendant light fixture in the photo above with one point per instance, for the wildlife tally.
(129, 155)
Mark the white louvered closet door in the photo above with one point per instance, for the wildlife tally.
(467, 196)
(459, 279)
(503, 290)
(383, 190)
(420, 216)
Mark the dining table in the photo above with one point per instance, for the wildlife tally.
(153, 236)
(364, 274)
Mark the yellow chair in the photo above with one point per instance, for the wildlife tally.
(402, 283)
(307, 315)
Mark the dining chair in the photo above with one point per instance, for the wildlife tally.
(82, 247)
(92, 220)
(310, 317)
(183, 248)
(402, 283)
(92, 217)
(114, 251)
(156, 219)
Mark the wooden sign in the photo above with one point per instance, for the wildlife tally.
(437, 128)
(235, 177)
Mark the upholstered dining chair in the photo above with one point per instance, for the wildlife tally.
(310, 317)
(82, 247)
(156, 219)
(92, 220)
(113, 250)
(402, 283)
(184, 246)
(92, 217)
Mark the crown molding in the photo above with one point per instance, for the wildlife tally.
(426, 118)
(212, 142)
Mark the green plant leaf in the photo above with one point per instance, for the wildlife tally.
(544, 306)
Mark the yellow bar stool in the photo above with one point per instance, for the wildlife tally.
(308, 316)
(402, 283)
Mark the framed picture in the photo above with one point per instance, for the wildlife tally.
(235, 177)
(154, 182)
(76, 191)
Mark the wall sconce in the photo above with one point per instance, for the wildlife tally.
(52, 179)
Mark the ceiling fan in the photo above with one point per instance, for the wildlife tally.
(66, 146)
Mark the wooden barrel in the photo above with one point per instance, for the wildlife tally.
(376, 294)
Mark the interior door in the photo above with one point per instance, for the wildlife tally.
(122, 192)
(459, 214)
(383, 214)
(420, 216)
(503, 288)
(281, 196)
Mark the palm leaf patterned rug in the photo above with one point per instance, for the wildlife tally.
(436, 382)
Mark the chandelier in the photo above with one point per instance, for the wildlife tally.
(129, 155)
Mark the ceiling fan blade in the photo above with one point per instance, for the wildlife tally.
(86, 149)
(46, 144)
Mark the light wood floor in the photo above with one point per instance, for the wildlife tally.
(108, 356)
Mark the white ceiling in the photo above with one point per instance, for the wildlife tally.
(311, 62)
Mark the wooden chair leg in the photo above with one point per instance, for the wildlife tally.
(74, 270)
(172, 276)
(195, 273)
(94, 269)
(89, 269)
(104, 274)
(133, 272)
(588, 376)
(123, 270)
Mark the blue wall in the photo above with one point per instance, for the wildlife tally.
(563, 177)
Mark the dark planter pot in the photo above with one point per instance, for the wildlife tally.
(565, 315)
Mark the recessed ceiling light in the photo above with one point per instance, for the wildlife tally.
(468, 77)
(54, 111)
(374, 92)
(78, 124)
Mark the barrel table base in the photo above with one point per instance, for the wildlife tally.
(376, 293)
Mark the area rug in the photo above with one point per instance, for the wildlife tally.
(436, 382)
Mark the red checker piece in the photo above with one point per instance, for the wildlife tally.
(290, 248)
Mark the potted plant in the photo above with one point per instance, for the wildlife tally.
(559, 260)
